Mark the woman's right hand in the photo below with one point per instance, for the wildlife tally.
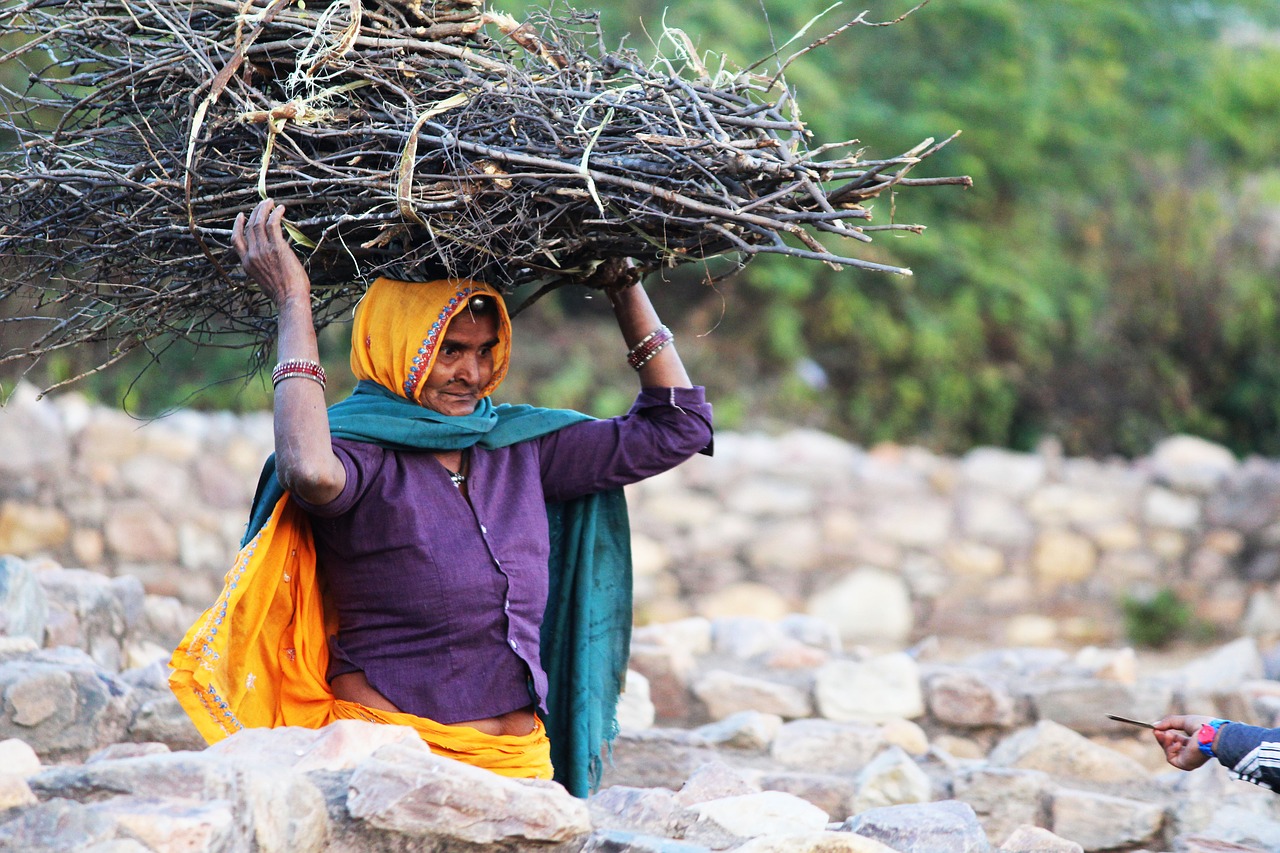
(267, 256)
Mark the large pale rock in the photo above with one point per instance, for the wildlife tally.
(24, 607)
(948, 826)
(1202, 844)
(726, 693)
(176, 824)
(625, 841)
(669, 669)
(97, 607)
(1083, 703)
(745, 598)
(134, 532)
(823, 457)
(1059, 504)
(973, 559)
(414, 793)
(722, 537)
(1249, 501)
(826, 746)
(881, 688)
(636, 710)
(746, 637)
(1192, 464)
(161, 482)
(1240, 824)
(107, 437)
(970, 698)
(751, 730)
(1004, 799)
(201, 549)
(995, 520)
(276, 809)
(61, 703)
(827, 791)
(892, 778)
(1020, 662)
(15, 793)
(1035, 839)
(918, 524)
(657, 758)
(33, 440)
(906, 735)
(692, 635)
(812, 631)
(1002, 471)
(1063, 557)
(867, 605)
(59, 826)
(1102, 822)
(715, 781)
(1222, 669)
(341, 745)
(1056, 749)
(1163, 508)
(814, 842)
(18, 758)
(887, 472)
(790, 545)
(651, 811)
(27, 529)
(221, 486)
(765, 813)
(770, 497)
(157, 716)
(117, 751)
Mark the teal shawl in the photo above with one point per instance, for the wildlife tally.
(586, 630)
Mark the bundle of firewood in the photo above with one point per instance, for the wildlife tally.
(405, 138)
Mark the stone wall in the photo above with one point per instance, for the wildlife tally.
(890, 544)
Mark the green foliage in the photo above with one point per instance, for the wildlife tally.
(1157, 620)
(1105, 281)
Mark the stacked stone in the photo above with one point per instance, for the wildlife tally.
(895, 542)
(739, 733)
(163, 501)
(889, 544)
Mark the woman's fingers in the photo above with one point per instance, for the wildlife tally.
(237, 236)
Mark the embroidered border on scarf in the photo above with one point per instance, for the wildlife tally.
(428, 348)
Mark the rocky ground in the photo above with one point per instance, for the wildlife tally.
(843, 648)
(739, 733)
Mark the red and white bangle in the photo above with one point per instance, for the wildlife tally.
(649, 346)
(298, 368)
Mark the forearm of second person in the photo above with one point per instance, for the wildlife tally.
(637, 318)
(305, 462)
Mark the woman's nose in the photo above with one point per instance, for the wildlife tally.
(468, 369)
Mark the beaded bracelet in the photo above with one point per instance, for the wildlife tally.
(649, 346)
(298, 367)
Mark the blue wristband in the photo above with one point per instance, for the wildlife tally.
(1206, 735)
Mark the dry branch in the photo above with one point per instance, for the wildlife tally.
(410, 139)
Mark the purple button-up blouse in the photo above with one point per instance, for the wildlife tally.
(440, 600)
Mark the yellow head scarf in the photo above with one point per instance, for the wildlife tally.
(399, 326)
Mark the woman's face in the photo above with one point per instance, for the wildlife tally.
(463, 366)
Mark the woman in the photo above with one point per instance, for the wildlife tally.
(474, 556)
